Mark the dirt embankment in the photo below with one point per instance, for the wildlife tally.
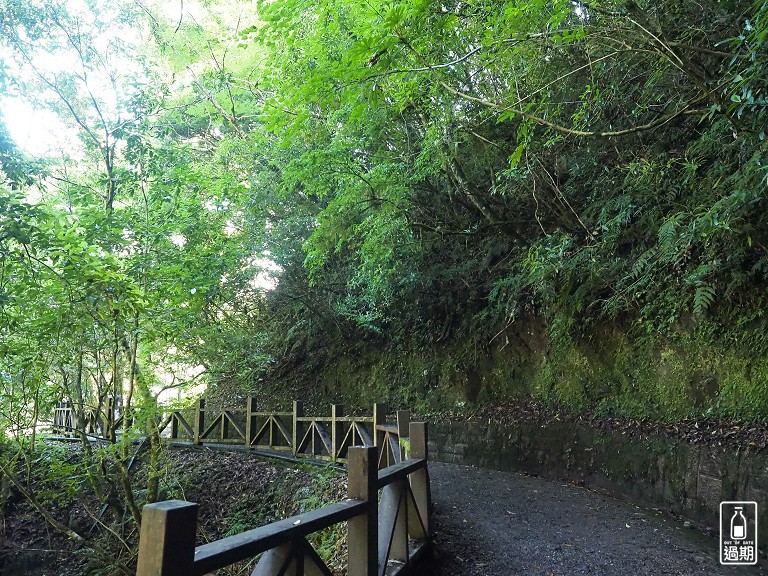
(236, 491)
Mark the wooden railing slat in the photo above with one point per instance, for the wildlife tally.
(416, 526)
(393, 527)
(397, 471)
(394, 447)
(240, 430)
(261, 431)
(226, 551)
(211, 426)
(420, 484)
(275, 562)
(325, 438)
(283, 430)
(317, 562)
(184, 424)
(363, 433)
(363, 419)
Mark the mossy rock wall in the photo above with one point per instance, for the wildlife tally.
(606, 372)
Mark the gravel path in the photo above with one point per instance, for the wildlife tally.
(491, 523)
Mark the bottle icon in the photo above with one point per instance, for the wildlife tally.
(738, 525)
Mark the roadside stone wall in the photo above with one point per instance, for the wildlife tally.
(662, 472)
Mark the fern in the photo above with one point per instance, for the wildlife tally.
(644, 263)
(703, 298)
(668, 237)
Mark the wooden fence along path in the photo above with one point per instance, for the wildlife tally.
(318, 437)
(94, 422)
(387, 510)
(385, 536)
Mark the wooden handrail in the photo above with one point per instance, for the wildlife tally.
(227, 551)
(398, 471)
(383, 537)
(329, 419)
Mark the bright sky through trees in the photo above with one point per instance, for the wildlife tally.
(36, 131)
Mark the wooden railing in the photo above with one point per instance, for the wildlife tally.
(96, 422)
(63, 418)
(385, 536)
(318, 437)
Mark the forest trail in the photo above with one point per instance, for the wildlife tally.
(490, 523)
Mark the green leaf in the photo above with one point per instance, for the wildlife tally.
(703, 298)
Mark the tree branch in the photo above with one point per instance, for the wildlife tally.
(212, 99)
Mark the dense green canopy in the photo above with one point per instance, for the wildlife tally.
(417, 171)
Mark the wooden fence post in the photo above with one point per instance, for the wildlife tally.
(420, 478)
(337, 411)
(224, 423)
(167, 539)
(362, 531)
(379, 419)
(69, 420)
(298, 427)
(250, 408)
(199, 421)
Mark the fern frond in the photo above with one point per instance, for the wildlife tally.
(669, 238)
(703, 298)
(643, 262)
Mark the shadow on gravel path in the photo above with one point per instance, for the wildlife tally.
(491, 523)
